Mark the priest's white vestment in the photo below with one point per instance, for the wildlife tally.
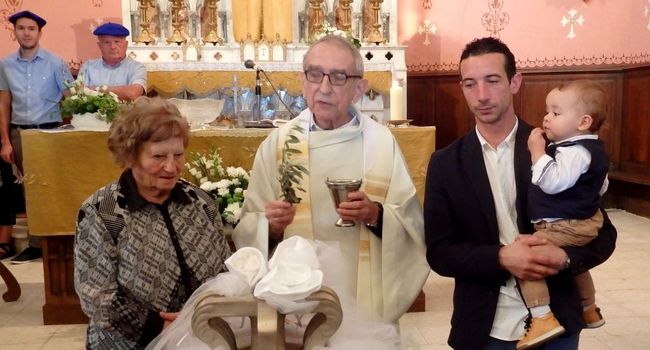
(384, 274)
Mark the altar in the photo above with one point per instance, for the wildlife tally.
(197, 48)
(63, 168)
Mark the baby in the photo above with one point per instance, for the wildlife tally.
(569, 178)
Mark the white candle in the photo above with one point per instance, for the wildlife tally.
(396, 102)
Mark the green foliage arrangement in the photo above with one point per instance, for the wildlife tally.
(84, 100)
(291, 172)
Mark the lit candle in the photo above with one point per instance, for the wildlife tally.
(396, 102)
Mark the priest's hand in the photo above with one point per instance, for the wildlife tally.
(359, 208)
(531, 258)
(279, 214)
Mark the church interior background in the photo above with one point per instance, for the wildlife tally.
(214, 37)
(196, 49)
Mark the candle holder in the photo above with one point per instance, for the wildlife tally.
(176, 36)
(346, 15)
(317, 11)
(145, 36)
(211, 36)
(375, 35)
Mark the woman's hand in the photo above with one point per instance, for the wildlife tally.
(168, 317)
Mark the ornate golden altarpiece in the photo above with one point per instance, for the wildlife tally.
(198, 45)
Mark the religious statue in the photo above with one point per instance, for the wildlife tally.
(316, 18)
(368, 18)
(343, 15)
(209, 19)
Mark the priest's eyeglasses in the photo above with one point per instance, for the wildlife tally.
(336, 78)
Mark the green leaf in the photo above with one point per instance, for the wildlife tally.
(302, 168)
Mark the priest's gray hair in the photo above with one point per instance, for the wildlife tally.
(342, 43)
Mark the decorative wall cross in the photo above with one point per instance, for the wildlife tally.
(495, 20)
(425, 29)
(571, 21)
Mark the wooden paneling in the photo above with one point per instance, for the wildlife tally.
(635, 127)
(437, 99)
(530, 102)
(632, 197)
(439, 102)
(61, 302)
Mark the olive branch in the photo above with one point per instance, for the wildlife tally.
(291, 172)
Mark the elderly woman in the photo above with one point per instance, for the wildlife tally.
(146, 241)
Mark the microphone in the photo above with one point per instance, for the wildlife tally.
(251, 65)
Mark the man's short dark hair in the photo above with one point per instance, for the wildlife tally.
(489, 44)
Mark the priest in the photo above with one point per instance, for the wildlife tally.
(383, 266)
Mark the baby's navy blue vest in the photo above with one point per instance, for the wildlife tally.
(579, 202)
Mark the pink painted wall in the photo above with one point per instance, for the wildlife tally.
(68, 32)
(613, 32)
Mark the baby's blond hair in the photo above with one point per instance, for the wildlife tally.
(591, 96)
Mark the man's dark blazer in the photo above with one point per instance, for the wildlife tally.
(462, 238)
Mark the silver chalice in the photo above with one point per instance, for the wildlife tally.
(339, 189)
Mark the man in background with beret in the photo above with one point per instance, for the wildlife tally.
(121, 75)
(36, 81)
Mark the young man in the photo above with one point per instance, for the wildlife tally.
(121, 75)
(8, 187)
(476, 226)
(383, 264)
(36, 81)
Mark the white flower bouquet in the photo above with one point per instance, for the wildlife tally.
(84, 100)
(327, 29)
(227, 186)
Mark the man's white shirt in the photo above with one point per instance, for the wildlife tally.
(499, 162)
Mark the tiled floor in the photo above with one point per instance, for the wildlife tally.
(623, 285)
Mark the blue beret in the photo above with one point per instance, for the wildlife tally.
(112, 29)
(27, 14)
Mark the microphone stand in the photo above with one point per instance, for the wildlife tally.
(256, 114)
(258, 95)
